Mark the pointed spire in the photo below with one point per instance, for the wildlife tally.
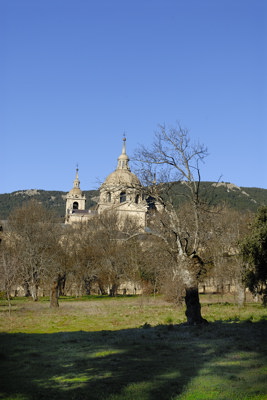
(124, 144)
(123, 160)
(76, 182)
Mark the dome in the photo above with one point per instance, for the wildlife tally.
(75, 191)
(122, 177)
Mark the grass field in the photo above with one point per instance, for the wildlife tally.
(132, 348)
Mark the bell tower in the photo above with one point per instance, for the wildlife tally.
(75, 199)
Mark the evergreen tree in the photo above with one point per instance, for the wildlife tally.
(254, 251)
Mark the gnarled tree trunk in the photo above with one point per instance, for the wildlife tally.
(193, 307)
(191, 268)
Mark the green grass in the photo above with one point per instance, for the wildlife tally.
(131, 348)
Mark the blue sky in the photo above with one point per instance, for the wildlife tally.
(76, 75)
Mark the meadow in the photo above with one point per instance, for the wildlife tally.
(132, 348)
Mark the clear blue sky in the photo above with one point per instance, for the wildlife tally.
(74, 75)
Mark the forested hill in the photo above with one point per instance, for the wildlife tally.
(240, 198)
(53, 199)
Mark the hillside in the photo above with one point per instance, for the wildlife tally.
(50, 199)
(240, 198)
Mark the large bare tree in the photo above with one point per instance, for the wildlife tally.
(226, 230)
(113, 261)
(173, 157)
(34, 234)
(8, 268)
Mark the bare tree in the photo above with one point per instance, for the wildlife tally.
(225, 231)
(34, 234)
(97, 254)
(8, 268)
(112, 258)
(85, 255)
(173, 157)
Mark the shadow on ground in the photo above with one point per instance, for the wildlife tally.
(146, 363)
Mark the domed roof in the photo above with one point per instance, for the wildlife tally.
(122, 177)
(75, 191)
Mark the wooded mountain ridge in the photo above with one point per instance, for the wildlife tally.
(239, 198)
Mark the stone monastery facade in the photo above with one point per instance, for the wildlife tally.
(121, 193)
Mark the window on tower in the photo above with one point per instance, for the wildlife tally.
(75, 205)
(122, 197)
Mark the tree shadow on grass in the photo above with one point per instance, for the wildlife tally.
(146, 363)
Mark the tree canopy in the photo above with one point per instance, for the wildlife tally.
(254, 251)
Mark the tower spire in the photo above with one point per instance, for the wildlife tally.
(76, 182)
(124, 144)
(123, 160)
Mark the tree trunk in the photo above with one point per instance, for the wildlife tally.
(113, 290)
(54, 294)
(193, 307)
(26, 287)
(61, 285)
(9, 301)
(35, 292)
(87, 285)
(102, 288)
(190, 271)
(240, 294)
(35, 286)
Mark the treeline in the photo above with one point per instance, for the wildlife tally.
(45, 257)
(241, 199)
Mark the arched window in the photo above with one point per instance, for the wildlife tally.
(75, 205)
(137, 198)
(109, 197)
(151, 203)
(122, 197)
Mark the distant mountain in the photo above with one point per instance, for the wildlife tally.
(233, 196)
(50, 199)
(240, 198)
(223, 193)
